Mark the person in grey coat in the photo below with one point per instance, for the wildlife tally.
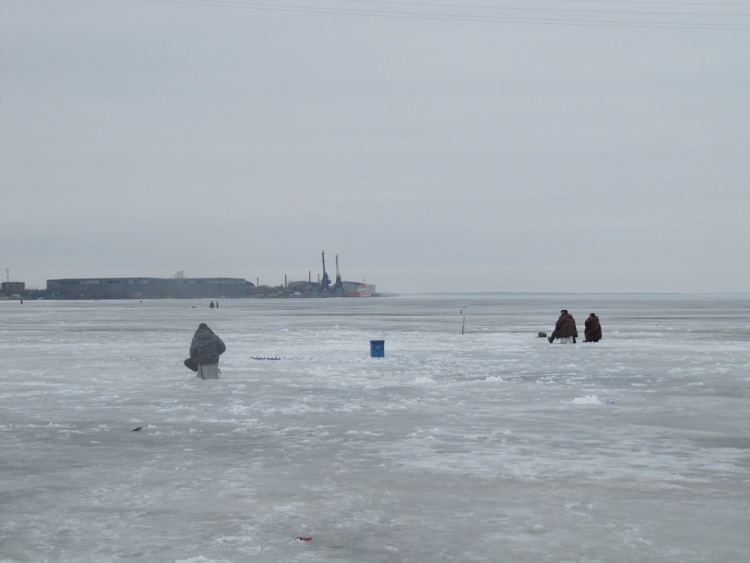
(205, 348)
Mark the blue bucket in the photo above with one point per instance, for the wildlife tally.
(377, 348)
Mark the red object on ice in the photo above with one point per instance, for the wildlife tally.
(305, 538)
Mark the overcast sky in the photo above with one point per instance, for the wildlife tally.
(434, 146)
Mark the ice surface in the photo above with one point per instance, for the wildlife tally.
(489, 446)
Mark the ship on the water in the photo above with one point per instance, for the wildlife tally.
(356, 289)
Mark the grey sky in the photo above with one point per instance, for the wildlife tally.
(432, 146)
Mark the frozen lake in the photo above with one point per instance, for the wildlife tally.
(490, 446)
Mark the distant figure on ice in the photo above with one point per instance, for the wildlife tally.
(565, 328)
(205, 350)
(592, 331)
(211, 306)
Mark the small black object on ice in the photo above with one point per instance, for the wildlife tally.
(137, 429)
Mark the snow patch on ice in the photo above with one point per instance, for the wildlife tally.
(424, 381)
(587, 400)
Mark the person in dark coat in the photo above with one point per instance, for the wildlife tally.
(205, 348)
(593, 329)
(565, 327)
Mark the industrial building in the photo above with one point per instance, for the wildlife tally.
(12, 289)
(180, 287)
(147, 288)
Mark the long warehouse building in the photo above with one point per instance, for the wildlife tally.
(147, 288)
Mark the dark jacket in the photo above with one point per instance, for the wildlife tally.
(565, 326)
(206, 347)
(593, 329)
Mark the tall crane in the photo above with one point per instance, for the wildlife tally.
(338, 287)
(325, 283)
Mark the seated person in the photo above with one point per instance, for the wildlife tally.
(593, 329)
(565, 327)
(205, 349)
